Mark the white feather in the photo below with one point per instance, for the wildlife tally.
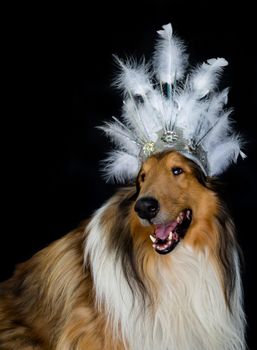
(215, 105)
(204, 79)
(218, 100)
(134, 120)
(218, 132)
(194, 108)
(189, 113)
(121, 166)
(170, 58)
(196, 117)
(123, 139)
(223, 155)
(133, 78)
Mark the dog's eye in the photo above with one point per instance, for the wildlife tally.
(176, 170)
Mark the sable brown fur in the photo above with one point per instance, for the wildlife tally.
(49, 303)
(50, 298)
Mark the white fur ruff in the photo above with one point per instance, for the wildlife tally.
(189, 312)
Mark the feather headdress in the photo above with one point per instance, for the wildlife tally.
(164, 108)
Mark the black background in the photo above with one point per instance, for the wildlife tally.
(58, 68)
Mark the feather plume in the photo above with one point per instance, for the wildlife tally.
(133, 78)
(218, 132)
(170, 58)
(215, 105)
(122, 138)
(194, 111)
(135, 120)
(198, 117)
(189, 113)
(223, 155)
(205, 77)
(121, 166)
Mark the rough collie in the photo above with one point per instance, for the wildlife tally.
(156, 267)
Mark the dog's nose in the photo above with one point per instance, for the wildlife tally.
(147, 207)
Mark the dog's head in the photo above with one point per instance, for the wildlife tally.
(172, 198)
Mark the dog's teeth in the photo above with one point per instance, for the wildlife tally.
(170, 236)
(175, 236)
(153, 239)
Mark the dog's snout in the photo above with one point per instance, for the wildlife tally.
(147, 207)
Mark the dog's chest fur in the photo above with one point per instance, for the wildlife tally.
(188, 309)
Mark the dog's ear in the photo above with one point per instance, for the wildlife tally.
(198, 173)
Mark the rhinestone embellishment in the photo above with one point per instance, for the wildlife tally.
(169, 137)
(148, 148)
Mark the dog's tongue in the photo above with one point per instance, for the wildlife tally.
(163, 231)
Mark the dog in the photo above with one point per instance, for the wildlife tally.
(156, 267)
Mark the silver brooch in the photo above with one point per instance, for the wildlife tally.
(169, 136)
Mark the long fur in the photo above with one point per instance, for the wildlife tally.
(104, 287)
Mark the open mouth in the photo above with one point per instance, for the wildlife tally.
(167, 236)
